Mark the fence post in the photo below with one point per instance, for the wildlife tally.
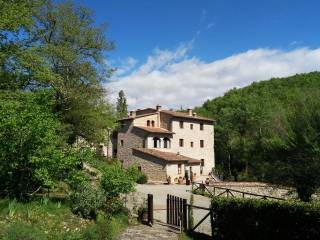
(212, 221)
(168, 206)
(176, 212)
(180, 212)
(185, 215)
(202, 188)
(150, 209)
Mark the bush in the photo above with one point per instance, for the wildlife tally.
(19, 231)
(86, 200)
(142, 179)
(106, 228)
(246, 219)
(115, 181)
(101, 230)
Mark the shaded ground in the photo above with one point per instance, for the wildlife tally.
(144, 232)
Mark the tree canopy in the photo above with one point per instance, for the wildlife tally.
(51, 92)
(268, 131)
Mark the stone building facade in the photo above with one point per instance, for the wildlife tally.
(165, 144)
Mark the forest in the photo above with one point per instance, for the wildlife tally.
(269, 131)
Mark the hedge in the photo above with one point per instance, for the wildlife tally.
(246, 219)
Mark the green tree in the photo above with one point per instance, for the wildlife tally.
(298, 154)
(58, 46)
(73, 47)
(122, 107)
(31, 153)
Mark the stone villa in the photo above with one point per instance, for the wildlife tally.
(165, 144)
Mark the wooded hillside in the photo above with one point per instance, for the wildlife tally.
(264, 130)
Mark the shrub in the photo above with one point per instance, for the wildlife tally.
(19, 231)
(86, 200)
(106, 228)
(115, 181)
(142, 179)
(246, 219)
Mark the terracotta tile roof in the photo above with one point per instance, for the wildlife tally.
(185, 115)
(172, 113)
(137, 116)
(167, 156)
(154, 129)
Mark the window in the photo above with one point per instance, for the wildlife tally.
(123, 125)
(121, 143)
(179, 168)
(156, 142)
(201, 126)
(191, 126)
(181, 142)
(202, 162)
(191, 144)
(181, 124)
(148, 123)
(201, 143)
(166, 142)
(143, 143)
(152, 123)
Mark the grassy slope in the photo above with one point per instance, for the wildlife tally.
(53, 219)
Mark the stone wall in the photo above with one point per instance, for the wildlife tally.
(132, 138)
(154, 168)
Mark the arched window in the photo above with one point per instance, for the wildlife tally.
(166, 142)
(148, 123)
(156, 142)
(152, 123)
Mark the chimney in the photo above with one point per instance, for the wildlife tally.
(194, 114)
(158, 108)
(132, 113)
(189, 111)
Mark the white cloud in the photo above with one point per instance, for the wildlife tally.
(173, 79)
(123, 66)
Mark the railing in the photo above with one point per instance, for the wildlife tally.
(227, 192)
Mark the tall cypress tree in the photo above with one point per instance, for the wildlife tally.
(122, 107)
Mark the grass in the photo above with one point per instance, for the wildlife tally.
(47, 219)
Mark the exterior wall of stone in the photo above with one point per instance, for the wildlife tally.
(165, 121)
(154, 168)
(142, 121)
(108, 148)
(194, 135)
(132, 138)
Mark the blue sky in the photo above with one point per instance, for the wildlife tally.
(173, 34)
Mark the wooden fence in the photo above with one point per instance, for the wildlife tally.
(211, 190)
(178, 213)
